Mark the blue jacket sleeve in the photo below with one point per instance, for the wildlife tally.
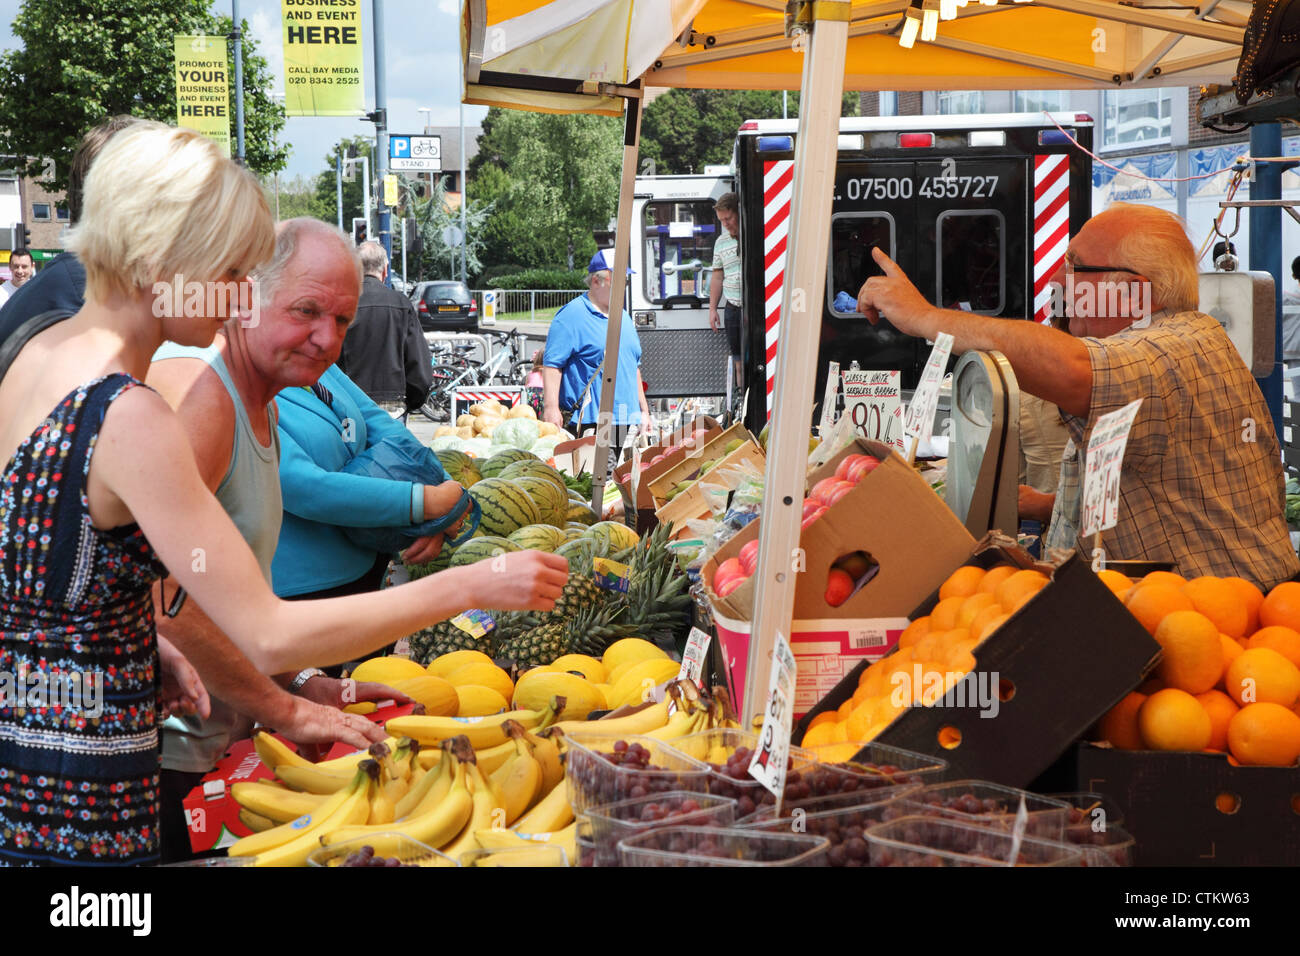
(379, 424)
(336, 498)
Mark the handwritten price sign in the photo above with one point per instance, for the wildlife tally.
(1101, 474)
(768, 765)
(828, 399)
(872, 400)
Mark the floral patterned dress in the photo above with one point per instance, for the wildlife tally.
(79, 673)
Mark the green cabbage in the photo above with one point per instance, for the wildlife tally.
(516, 433)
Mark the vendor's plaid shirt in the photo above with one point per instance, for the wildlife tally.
(1202, 484)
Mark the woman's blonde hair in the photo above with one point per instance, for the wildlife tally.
(162, 202)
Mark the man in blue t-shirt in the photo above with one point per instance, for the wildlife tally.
(575, 348)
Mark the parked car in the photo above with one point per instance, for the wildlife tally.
(445, 306)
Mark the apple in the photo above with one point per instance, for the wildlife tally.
(812, 517)
(842, 469)
(670, 449)
(656, 459)
(864, 466)
(854, 565)
(820, 489)
(749, 556)
(729, 585)
(838, 587)
(837, 492)
(728, 570)
(647, 464)
(810, 505)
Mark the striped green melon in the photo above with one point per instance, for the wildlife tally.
(575, 531)
(492, 467)
(543, 537)
(506, 507)
(580, 513)
(619, 536)
(553, 508)
(479, 549)
(459, 466)
(537, 469)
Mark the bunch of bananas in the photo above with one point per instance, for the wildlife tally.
(494, 783)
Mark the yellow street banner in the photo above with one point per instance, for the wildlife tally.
(203, 88)
(323, 58)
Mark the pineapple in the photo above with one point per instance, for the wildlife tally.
(445, 637)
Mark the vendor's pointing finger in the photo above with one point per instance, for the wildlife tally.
(889, 266)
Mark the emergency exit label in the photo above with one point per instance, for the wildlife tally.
(873, 401)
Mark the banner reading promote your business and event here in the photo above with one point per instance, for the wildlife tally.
(203, 88)
(323, 58)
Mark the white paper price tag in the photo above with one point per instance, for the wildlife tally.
(768, 766)
(828, 400)
(693, 657)
(873, 401)
(635, 474)
(920, 414)
(1101, 474)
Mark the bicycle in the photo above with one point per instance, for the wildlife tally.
(505, 368)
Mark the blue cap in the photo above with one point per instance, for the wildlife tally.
(600, 263)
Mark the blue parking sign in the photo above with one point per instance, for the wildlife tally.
(399, 147)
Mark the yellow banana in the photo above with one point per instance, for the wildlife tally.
(435, 827)
(276, 753)
(679, 724)
(353, 810)
(255, 821)
(490, 758)
(519, 778)
(310, 780)
(551, 813)
(644, 720)
(428, 758)
(566, 838)
(286, 832)
(483, 732)
(483, 816)
(547, 752)
(275, 803)
(431, 785)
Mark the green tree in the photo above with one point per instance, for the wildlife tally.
(81, 61)
(433, 257)
(683, 131)
(551, 179)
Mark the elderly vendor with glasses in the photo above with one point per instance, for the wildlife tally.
(1202, 483)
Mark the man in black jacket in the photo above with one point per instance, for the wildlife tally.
(385, 352)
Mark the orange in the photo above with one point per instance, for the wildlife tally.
(1193, 655)
(1118, 583)
(1265, 735)
(1149, 603)
(928, 646)
(839, 732)
(1173, 719)
(1164, 577)
(1282, 606)
(982, 626)
(1018, 588)
(1218, 600)
(826, 716)
(961, 655)
(845, 709)
(1250, 596)
(1119, 725)
(995, 577)
(873, 679)
(962, 583)
(863, 716)
(820, 731)
(1260, 674)
(1284, 640)
(1230, 651)
(859, 695)
(944, 615)
(972, 607)
(1221, 710)
(914, 632)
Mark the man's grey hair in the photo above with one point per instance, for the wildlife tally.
(373, 259)
(604, 275)
(286, 244)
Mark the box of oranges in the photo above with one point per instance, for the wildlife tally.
(999, 672)
(1208, 749)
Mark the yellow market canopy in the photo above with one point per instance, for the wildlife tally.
(571, 55)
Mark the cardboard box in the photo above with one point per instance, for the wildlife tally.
(692, 502)
(893, 516)
(1169, 801)
(689, 463)
(1046, 675)
(643, 500)
(211, 813)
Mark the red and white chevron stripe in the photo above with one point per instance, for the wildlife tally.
(1051, 225)
(478, 395)
(778, 179)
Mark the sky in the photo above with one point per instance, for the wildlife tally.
(423, 70)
